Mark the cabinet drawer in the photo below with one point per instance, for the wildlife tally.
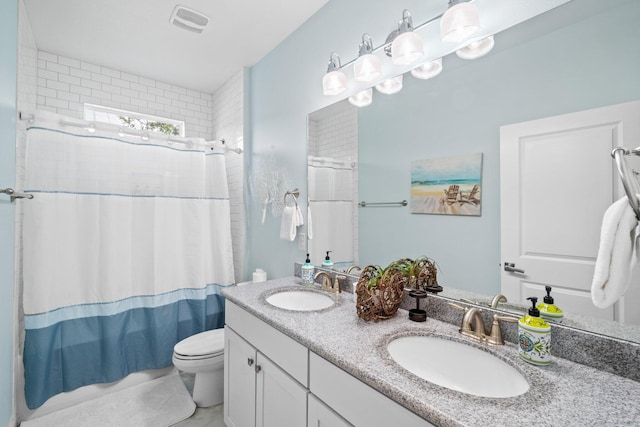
(354, 400)
(290, 355)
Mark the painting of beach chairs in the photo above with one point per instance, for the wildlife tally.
(447, 186)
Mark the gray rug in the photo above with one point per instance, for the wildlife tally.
(158, 403)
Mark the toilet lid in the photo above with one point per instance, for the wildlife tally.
(202, 344)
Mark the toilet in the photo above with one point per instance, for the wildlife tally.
(203, 354)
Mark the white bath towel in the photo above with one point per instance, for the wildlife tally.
(288, 223)
(617, 255)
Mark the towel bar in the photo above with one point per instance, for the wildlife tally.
(629, 182)
(365, 204)
(15, 194)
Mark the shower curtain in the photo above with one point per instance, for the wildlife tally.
(125, 247)
(331, 204)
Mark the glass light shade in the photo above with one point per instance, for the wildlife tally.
(428, 69)
(334, 83)
(363, 98)
(477, 48)
(367, 68)
(406, 48)
(390, 86)
(459, 23)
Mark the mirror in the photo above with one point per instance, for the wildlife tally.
(573, 58)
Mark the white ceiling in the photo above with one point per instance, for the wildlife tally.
(136, 36)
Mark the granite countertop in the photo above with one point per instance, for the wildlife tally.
(563, 393)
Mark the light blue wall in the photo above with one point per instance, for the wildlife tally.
(8, 55)
(529, 75)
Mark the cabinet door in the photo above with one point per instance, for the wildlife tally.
(319, 415)
(280, 400)
(239, 381)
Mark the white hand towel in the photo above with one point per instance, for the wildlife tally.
(299, 219)
(288, 224)
(617, 255)
(309, 223)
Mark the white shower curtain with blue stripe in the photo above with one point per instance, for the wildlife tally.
(125, 247)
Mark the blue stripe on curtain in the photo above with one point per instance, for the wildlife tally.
(68, 354)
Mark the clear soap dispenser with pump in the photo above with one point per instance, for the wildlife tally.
(327, 261)
(307, 272)
(548, 310)
(534, 337)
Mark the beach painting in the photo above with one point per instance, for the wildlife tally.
(447, 186)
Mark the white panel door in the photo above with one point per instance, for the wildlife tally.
(239, 381)
(280, 400)
(557, 178)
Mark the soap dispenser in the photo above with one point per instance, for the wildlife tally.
(327, 261)
(307, 272)
(548, 310)
(534, 337)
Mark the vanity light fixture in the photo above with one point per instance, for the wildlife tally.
(407, 46)
(459, 22)
(476, 49)
(428, 70)
(390, 86)
(362, 98)
(335, 81)
(368, 66)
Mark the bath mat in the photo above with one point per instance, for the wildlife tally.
(157, 403)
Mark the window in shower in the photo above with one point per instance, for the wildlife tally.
(133, 120)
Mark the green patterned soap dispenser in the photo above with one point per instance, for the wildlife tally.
(534, 337)
(548, 310)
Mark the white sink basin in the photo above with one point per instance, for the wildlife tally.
(457, 366)
(300, 300)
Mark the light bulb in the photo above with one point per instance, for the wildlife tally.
(477, 48)
(428, 69)
(406, 48)
(367, 68)
(390, 86)
(334, 83)
(459, 23)
(362, 98)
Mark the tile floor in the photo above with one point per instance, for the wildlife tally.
(203, 417)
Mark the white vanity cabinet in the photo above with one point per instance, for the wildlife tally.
(354, 400)
(320, 415)
(268, 377)
(265, 374)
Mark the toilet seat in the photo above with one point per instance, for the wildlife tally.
(205, 345)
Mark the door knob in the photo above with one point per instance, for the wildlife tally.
(249, 361)
(511, 268)
(258, 369)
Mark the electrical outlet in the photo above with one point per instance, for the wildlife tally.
(302, 241)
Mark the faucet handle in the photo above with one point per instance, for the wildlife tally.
(495, 337)
(458, 307)
(336, 283)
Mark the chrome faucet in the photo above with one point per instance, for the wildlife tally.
(497, 300)
(326, 281)
(353, 267)
(473, 324)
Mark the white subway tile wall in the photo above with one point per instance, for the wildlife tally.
(64, 85)
(228, 123)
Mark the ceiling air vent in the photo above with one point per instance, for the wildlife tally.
(189, 19)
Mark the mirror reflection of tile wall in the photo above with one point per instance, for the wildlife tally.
(333, 146)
